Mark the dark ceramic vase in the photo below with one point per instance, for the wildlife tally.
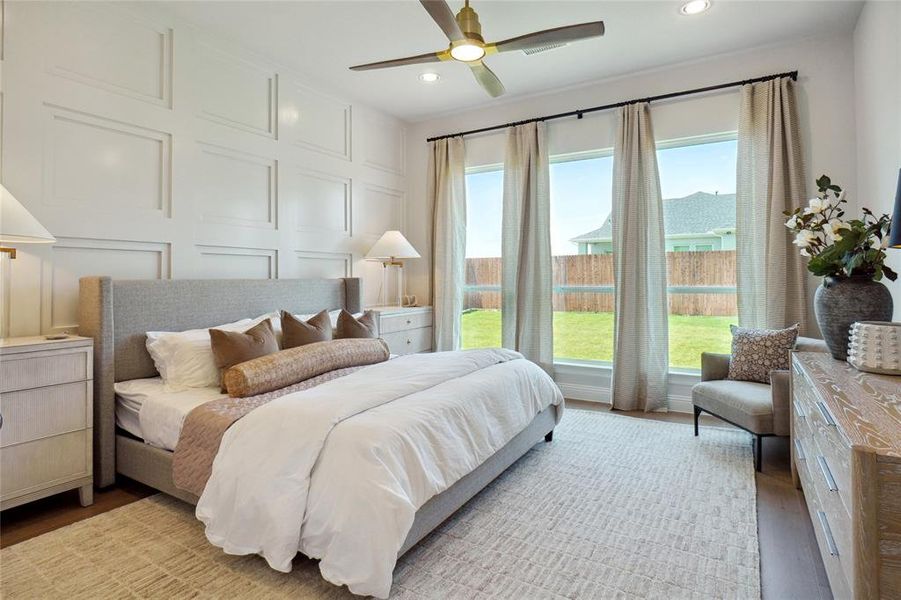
(841, 301)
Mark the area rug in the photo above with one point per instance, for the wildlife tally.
(614, 507)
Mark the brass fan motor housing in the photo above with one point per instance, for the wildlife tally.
(468, 20)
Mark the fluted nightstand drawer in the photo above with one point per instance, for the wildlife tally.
(28, 370)
(391, 323)
(40, 464)
(409, 342)
(42, 412)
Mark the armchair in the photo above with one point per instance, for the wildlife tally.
(759, 408)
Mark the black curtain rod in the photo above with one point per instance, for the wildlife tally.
(583, 111)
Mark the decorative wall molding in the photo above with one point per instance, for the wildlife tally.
(319, 115)
(221, 75)
(324, 264)
(311, 214)
(72, 258)
(220, 193)
(71, 61)
(376, 152)
(147, 181)
(369, 210)
(237, 262)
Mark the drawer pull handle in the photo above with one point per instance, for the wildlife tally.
(799, 450)
(827, 415)
(409, 321)
(798, 410)
(409, 341)
(827, 533)
(827, 473)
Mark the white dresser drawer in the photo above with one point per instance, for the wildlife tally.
(38, 369)
(45, 463)
(43, 412)
(390, 323)
(410, 341)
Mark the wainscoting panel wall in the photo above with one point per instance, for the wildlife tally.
(153, 149)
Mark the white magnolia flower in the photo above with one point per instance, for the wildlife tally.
(833, 227)
(804, 252)
(793, 222)
(804, 238)
(841, 195)
(816, 206)
(884, 243)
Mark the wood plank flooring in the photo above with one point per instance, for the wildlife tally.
(790, 565)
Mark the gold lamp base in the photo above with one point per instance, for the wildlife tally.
(10, 251)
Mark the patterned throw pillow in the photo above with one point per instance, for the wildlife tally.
(756, 352)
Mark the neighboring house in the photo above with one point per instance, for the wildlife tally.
(698, 223)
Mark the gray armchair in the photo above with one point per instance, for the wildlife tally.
(759, 408)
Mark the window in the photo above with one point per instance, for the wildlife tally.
(481, 326)
(581, 196)
(698, 186)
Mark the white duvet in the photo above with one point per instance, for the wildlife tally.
(338, 471)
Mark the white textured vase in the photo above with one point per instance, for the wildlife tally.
(875, 347)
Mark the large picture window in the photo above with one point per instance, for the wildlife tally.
(698, 186)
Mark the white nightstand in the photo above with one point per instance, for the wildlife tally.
(406, 329)
(46, 401)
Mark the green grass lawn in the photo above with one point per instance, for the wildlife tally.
(589, 336)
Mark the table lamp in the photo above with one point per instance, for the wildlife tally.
(391, 248)
(17, 226)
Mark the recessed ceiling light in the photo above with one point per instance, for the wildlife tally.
(694, 7)
(429, 77)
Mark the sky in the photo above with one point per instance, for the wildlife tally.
(581, 193)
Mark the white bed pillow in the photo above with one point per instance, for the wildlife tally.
(184, 359)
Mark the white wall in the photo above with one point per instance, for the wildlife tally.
(877, 73)
(153, 150)
(826, 99)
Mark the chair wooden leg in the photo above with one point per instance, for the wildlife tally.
(758, 452)
(697, 416)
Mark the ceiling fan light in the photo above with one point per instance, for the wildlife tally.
(467, 52)
(694, 7)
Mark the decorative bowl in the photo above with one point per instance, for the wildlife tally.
(875, 347)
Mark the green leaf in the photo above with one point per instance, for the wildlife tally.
(889, 273)
(823, 182)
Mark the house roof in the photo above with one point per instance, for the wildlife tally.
(698, 213)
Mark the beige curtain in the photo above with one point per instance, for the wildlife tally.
(772, 280)
(641, 340)
(447, 191)
(526, 281)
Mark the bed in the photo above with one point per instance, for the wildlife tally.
(118, 313)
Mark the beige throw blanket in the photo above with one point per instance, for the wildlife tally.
(204, 427)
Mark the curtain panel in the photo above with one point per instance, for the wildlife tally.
(447, 192)
(641, 339)
(771, 277)
(526, 280)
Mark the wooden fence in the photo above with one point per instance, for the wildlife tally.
(699, 283)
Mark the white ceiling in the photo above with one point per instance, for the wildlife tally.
(322, 39)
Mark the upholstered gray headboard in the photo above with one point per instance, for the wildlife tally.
(118, 313)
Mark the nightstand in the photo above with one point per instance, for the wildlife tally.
(406, 329)
(46, 401)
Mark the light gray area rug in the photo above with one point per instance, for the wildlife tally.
(614, 507)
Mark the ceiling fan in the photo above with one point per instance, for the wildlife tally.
(468, 46)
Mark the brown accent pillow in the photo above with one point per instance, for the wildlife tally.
(351, 327)
(233, 347)
(300, 333)
(287, 367)
(756, 352)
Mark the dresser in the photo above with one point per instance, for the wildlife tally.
(846, 455)
(46, 402)
(407, 330)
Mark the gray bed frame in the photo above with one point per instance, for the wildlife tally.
(118, 313)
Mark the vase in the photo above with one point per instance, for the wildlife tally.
(842, 301)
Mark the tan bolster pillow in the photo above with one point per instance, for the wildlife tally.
(287, 367)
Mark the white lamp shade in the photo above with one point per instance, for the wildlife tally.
(17, 226)
(392, 245)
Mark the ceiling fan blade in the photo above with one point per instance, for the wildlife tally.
(397, 62)
(444, 17)
(549, 37)
(486, 78)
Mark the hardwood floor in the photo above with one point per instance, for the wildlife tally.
(790, 564)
